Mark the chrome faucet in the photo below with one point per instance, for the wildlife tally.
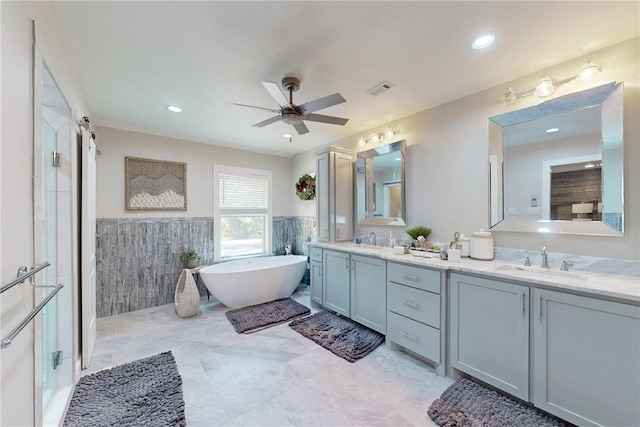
(371, 237)
(545, 257)
(566, 264)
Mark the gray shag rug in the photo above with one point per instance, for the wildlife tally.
(260, 316)
(341, 336)
(147, 392)
(468, 404)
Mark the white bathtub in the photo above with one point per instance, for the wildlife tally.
(254, 280)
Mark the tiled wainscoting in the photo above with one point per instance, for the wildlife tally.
(138, 262)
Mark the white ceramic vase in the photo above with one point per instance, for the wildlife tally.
(187, 296)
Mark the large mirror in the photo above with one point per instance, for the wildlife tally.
(380, 198)
(558, 167)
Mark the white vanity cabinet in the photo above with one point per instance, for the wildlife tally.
(490, 332)
(355, 286)
(416, 311)
(369, 292)
(574, 356)
(334, 194)
(315, 265)
(336, 281)
(586, 359)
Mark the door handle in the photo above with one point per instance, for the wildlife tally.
(411, 337)
(524, 299)
(411, 305)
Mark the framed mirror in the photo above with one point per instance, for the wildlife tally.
(558, 167)
(380, 187)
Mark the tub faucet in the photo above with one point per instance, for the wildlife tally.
(371, 237)
(545, 257)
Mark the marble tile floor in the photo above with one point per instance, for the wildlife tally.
(274, 377)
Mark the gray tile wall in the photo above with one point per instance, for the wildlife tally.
(137, 260)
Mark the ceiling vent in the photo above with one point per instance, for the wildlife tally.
(380, 88)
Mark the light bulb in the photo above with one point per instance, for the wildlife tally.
(545, 87)
(588, 69)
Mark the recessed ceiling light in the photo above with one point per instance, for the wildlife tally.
(174, 109)
(287, 135)
(484, 41)
(552, 130)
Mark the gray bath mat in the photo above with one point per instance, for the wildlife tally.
(260, 316)
(147, 392)
(341, 336)
(467, 403)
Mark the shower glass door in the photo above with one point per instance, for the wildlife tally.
(53, 243)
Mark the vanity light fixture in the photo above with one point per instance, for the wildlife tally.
(546, 86)
(174, 108)
(484, 41)
(378, 137)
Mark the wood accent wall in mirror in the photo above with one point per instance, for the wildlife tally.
(380, 189)
(557, 167)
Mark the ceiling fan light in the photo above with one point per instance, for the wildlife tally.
(545, 87)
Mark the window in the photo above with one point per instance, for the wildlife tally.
(241, 211)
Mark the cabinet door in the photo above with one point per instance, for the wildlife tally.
(490, 332)
(322, 197)
(316, 282)
(343, 197)
(335, 282)
(587, 359)
(369, 292)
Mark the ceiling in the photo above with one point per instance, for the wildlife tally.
(135, 58)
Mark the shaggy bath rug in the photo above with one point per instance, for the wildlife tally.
(341, 336)
(147, 392)
(260, 316)
(468, 404)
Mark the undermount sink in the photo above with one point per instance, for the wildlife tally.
(544, 272)
(361, 246)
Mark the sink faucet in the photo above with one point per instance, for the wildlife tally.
(545, 257)
(372, 238)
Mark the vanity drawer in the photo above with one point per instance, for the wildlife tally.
(414, 303)
(316, 254)
(416, 277)
(415, 336)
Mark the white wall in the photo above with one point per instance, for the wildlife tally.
(17, 390)
(447, 168)
(115, 144)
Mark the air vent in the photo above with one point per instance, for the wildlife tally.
(380, 88)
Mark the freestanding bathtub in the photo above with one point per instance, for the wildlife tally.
(252, 281)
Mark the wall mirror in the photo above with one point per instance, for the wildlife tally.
(557, 167)
(380, 189)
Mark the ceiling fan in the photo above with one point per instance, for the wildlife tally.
(294, 115)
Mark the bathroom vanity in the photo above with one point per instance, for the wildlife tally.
(568, 342)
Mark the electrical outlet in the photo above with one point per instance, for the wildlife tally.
(534, 201)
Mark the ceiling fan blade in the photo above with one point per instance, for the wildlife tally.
(325, 119)
(301, 128)
(253, 106)
(267, 122)
(276, 93)
(320, 103)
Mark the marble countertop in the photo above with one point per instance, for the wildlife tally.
(618, 287)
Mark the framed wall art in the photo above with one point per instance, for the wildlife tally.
(154, 185)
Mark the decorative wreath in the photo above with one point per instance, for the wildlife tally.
(306, 187)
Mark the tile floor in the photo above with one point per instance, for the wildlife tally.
(274, 377)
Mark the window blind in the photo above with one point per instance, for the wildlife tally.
(243, 191)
